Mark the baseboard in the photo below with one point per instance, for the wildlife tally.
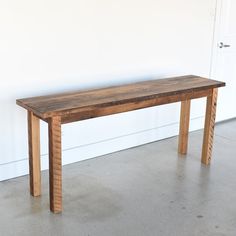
(80, 153)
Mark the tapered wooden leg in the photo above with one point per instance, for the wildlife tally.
(34, 154)
(209, 127)
(184, 127)
(55, 168)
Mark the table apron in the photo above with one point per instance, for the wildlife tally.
(88, 112)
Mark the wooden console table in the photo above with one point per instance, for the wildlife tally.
(75, 106)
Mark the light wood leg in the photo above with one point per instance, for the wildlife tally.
(184, 126)
(34, 154)
(55, 166)
(209, 127)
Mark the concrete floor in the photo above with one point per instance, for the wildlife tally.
(148, 190)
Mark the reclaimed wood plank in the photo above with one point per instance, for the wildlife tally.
(92, 112)
(72, 102)
(34, 154)
(184, 126)
(209, 127)
(55, 165)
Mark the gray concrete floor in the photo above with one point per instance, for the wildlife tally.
(148, 190)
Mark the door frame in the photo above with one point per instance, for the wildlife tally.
(216, 38)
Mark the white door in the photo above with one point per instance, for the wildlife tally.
(224, 58)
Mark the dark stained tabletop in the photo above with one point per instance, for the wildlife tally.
(47, 106)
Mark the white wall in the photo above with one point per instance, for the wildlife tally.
(50, 46)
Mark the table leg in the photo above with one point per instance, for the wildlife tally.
(34, 154)
(184, 126)
(55, 166)
(209, 127)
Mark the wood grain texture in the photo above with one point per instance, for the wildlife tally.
(80, 105)
(88, 113)
(55, 165)
(209, 127)
(34, 154)
(184, 126)
(67, 104)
